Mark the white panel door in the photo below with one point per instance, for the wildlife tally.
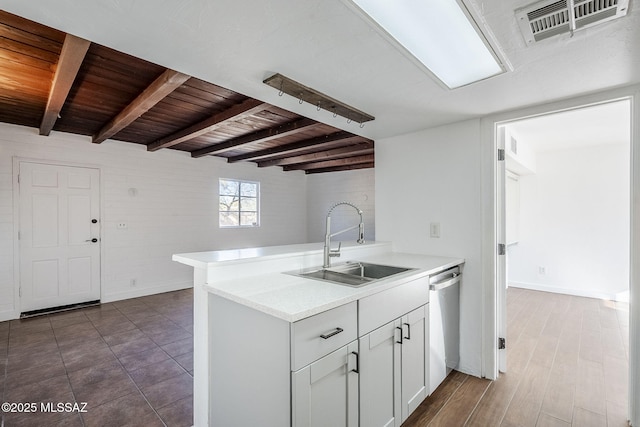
(59, 235)
(380, 377)
(415, 371)
(325, 393)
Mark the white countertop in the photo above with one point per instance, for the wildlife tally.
(292, 298)
(237, 256)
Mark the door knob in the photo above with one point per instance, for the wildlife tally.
(94, 221)
(94, 240)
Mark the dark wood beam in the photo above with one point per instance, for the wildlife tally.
(342, 168)
(168, 81)
(286, 129)
(351, 150)
(237, 112)
(293, 147)
(369, 158)
(316, 98)
(72, 54)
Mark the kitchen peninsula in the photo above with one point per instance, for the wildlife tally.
(272, 348)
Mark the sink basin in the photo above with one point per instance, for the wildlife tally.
(352, 273)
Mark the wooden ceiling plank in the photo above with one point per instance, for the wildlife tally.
(32, 27)
(30, 39)
(168, 81)
(290, 128)
(247, 108)
(352, 150)
(369, 158)
(293, 147)
(73, 52)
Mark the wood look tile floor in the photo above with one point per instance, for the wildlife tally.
(131, 362)
(567, 365)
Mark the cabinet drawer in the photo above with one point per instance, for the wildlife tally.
(377, 309)
(318, 335)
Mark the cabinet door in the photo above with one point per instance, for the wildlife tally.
(380, 376)
(325, 393)
(415, 373)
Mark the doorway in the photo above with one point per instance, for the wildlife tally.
(617, 292)
(59, 235)
(567, 206)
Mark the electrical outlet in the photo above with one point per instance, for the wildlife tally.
(122, 225)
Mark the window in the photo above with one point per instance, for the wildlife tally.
(239, 203)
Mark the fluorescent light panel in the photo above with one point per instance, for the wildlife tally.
(439, 34)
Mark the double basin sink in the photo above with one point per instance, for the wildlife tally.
(352, 273)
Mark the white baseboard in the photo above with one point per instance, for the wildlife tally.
(622, 296)
(143, 292)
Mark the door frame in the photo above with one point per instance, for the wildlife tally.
(16, 221)
(488, 128)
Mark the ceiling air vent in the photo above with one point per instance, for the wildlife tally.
(550, 18)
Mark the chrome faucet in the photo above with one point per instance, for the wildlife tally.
(328, 252)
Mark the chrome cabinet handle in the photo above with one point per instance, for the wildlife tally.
(329, 335)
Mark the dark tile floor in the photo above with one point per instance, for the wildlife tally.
(130, 361)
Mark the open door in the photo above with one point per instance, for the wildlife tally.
(501, 259)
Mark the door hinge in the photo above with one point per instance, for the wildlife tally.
(500, 154)
(20, 291)
(18, 235)
(502, 249)
(18, 178)
(502, 343)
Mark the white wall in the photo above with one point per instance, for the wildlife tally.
(574, 223)
(174, 209)
(435, 176)
(324, 190)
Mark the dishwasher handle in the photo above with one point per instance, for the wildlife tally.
(449, 280)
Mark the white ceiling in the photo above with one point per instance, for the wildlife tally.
(328, 46)
(608, 123)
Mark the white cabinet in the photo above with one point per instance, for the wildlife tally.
(380, 376)
(325, 393)
(319, 335)
(324, 361)
(394, 369)
(415, 359)
(316, 372)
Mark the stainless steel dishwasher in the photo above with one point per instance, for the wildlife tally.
(444, 325)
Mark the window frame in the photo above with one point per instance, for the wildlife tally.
(240, 211)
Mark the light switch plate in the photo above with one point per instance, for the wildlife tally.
(434, 230)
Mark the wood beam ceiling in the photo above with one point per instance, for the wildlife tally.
(168, 81)
(58, 81)
(294, 147)
(352, 150)
(72, 54)
(291, 128)
(348, 161)
(237, 112)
